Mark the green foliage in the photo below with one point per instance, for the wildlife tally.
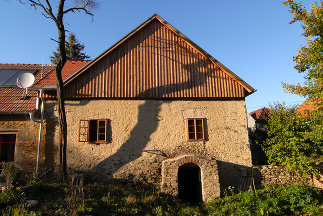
(309, 58)
(310, 61)
(118, 199)
(290, 142)
(257, 138)
(10, 171)
(9, 197)
(44, 192)
(19, 210)
(74, 50)
(272, 200)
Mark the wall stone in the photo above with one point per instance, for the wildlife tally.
(209, 175)
(27, 140)
(143, 133)
(268, 174)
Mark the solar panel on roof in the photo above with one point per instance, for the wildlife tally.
(9, 77)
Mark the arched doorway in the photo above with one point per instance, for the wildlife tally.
(189, 183)
(207, 169)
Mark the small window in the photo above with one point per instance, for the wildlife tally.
(7, 146)
(93, 131)
(195, 129)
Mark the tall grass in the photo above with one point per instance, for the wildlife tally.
(117, 199)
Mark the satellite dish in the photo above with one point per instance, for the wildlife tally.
(25, 80)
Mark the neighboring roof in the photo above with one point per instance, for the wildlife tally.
(69, 68)
(41, 70)
(248, 88)
(305, 107)
(259, 113)
(10, 98)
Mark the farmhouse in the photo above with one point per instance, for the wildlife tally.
(153, 108)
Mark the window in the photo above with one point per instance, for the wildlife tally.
(195, 129)
(7, 146)
(93, 131)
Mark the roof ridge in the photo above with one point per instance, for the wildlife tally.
(26, 64)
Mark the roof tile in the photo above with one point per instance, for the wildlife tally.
(11, 98)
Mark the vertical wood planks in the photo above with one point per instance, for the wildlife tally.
(154, 63)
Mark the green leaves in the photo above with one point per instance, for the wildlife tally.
(74, 50)
(272, 200)
(291, 142)
(310, 58)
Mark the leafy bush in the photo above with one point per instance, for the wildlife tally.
(19, 210)
(9, 197)
(10, 172)
(272, 200)
(290, 142)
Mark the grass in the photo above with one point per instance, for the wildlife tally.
(118, 199)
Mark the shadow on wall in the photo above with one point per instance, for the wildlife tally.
(147, 123)
(241, 178)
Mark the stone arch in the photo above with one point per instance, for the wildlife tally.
(209, 175)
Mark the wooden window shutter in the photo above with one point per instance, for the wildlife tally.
(84, 131)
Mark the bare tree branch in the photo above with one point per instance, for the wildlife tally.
(48, 17)
(54, 40)
(78, 9)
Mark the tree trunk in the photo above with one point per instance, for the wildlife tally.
(62, 122)
(58, 19)
(60, 94)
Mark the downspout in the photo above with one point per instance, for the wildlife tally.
(39, 100)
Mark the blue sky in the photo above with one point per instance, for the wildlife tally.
(252, 38)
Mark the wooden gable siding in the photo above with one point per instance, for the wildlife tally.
(154, 63)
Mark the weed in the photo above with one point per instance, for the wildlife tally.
(10, 172)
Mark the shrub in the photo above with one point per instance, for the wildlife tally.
(272, 200)
(290, 141)
(9, 197)
(10, 171)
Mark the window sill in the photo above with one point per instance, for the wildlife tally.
(195, 141)
(97, 143)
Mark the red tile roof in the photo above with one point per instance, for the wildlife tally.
(69, 68)
(10, 98)
(259, 113)
(304, 107)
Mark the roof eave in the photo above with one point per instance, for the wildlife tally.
(16, 112)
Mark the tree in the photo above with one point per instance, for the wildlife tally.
(310, 58)
(48, 12)
(289, 141)
(310, 62)
(74, 50)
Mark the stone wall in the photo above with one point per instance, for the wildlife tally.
(27, 140)
(209, 175)
(268, 174)
(143, 133)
